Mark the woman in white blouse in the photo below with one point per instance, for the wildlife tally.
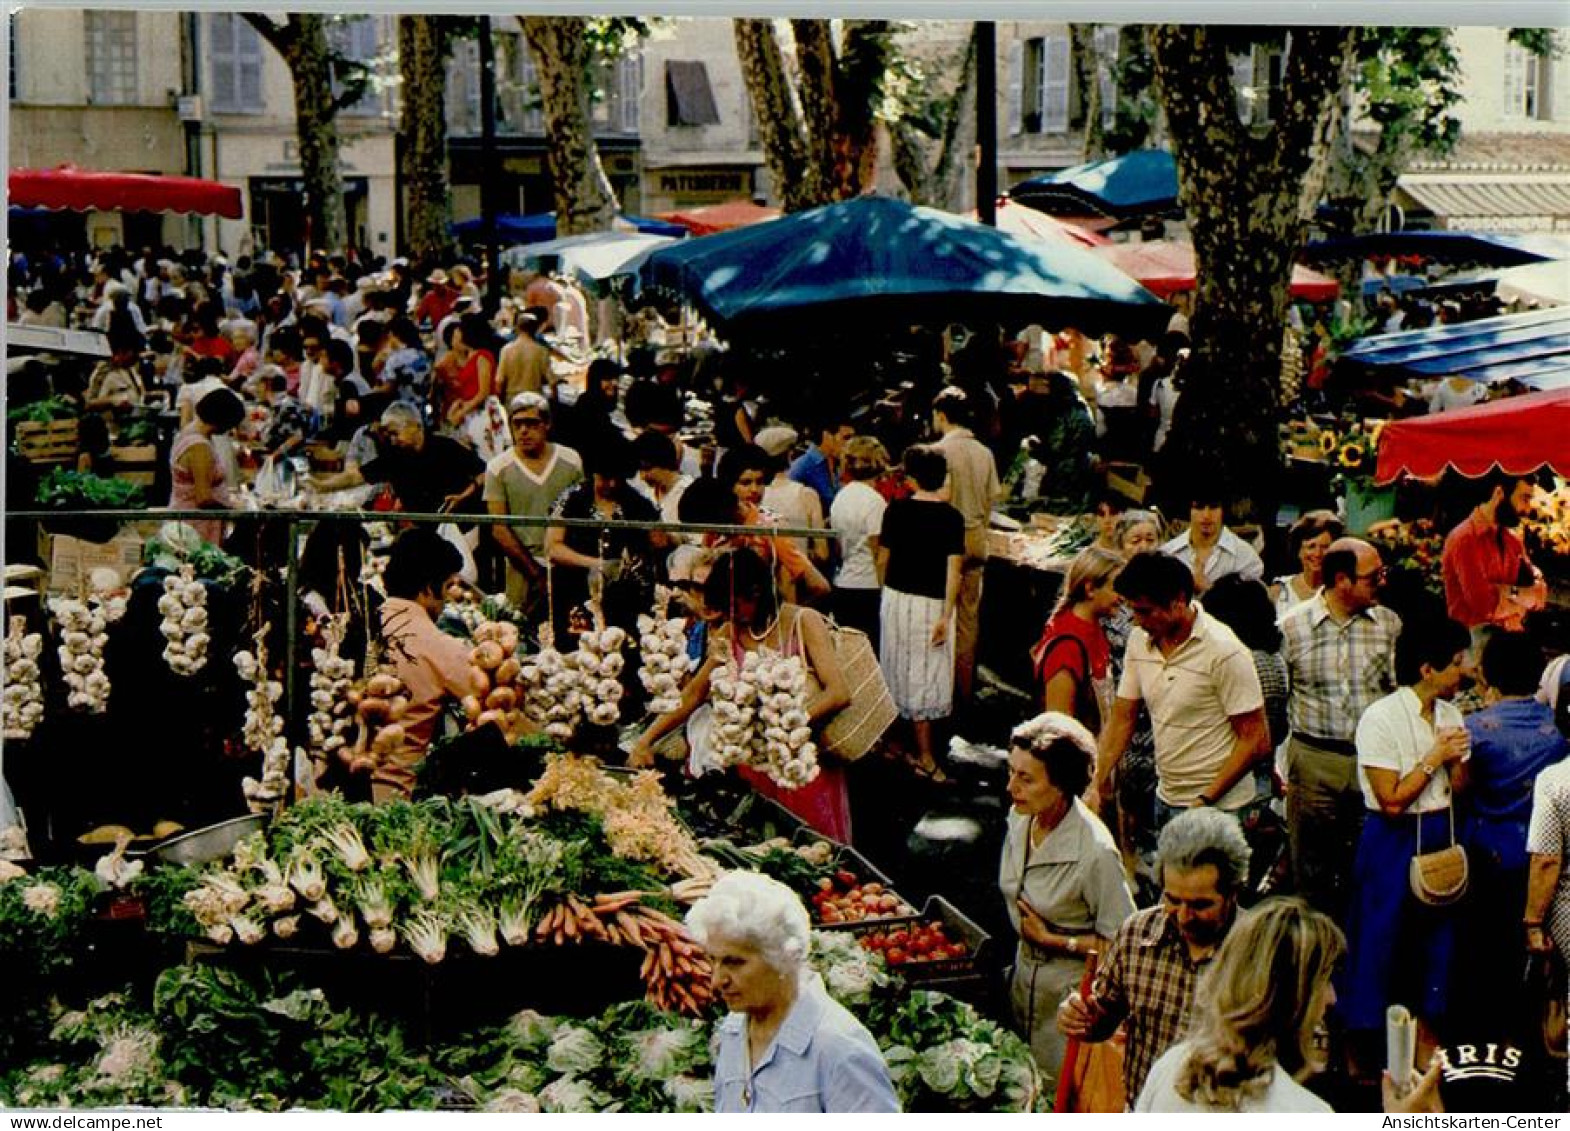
(857, 517)
(1411, 758)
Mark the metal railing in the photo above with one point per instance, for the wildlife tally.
(308, 519)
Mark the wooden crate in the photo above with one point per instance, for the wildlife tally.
(136, 463)
(46, 441)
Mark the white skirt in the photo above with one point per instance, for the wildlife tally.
(920, 677)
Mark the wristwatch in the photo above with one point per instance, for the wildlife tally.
(1073, 945)
(1428, 770)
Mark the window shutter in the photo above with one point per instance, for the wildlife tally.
(221, 53)
(1515, 81)
(1056, 70)
(630, 73)
(1016, 88)
(248, 66)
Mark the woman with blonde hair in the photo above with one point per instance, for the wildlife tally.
(1257, 1017)
(1073, 658)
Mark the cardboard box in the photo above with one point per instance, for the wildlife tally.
(72, 561)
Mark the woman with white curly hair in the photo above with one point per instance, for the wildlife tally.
(786, 1045)
(1061, 875)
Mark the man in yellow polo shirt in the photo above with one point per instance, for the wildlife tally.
(1199, 684)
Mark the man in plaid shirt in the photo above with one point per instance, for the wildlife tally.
(1339, 648)
(1147, 978)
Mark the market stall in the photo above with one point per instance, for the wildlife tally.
(482, 953)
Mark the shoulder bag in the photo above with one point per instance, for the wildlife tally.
(854, 730)
(1438, 878)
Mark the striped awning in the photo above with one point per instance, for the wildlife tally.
(1494, 205)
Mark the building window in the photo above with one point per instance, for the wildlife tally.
(1257, 79)
(111, 58)
(689, 101)
(463, 87)
(617, 93)
(1527, 93)
(1108, 46)
(358, 38)
(518, 86)
(1039, 83)
(10, 73)
(234, 49)
(629, 92)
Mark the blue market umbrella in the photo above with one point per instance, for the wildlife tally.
(1141, 183)
(539, 226)
(878, 259)
(1491, 249)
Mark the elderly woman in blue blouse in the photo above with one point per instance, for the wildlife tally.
(786, 1045)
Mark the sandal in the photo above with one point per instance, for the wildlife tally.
(933, 773)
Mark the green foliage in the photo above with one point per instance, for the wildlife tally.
(1409, 81)
(1137, 110)
(42, 921)
(1545, 42)
(44, 412)
(265, 1042)
(141, 430)
(84, 491)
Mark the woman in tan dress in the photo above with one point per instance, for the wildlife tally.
(1061, 875)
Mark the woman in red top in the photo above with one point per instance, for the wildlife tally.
(206, 340)
(1073, 659)
(471, 409)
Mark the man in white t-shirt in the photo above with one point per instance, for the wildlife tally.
(1199, 683)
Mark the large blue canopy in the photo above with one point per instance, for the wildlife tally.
(878, 258)
(540, 226)
(1141, 183)
(1533, 348)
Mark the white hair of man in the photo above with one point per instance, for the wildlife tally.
(398, 414)
(753, 910)
(1197, 837)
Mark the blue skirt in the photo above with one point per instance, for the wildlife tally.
(1398, 949)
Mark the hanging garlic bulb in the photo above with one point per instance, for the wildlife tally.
(23, 700)
(761, 717)
(262, 730)
(789, 756)
(553, 689)
(662, 654)
(184, 627)
(331, 720)
(599, 663)
(735, 711)
(81, 652)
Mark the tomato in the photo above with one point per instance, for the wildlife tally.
(895, 955)
(899, 936)
(831, 915)
(846, 879)
(872, 888)
(919, 944)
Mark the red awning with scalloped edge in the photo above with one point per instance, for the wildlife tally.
(1517, 435)
(66, 186)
